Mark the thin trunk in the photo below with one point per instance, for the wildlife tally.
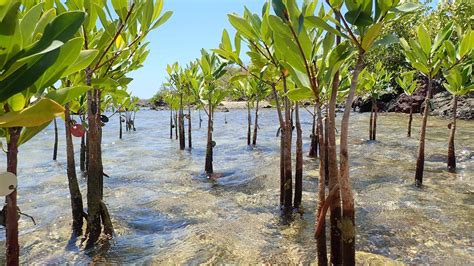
(171, 123)
(335, 215)
(371, 122)
(420, 162)
(288, 177)
(255, 128)
(104, 213)
(190, 141)
(120, 130)
(209, 149)
(182, 140)
(176, 123)
(55, 149)
(321, 239)
(87, 153)
(410, 119)
(348, 211)
(326, 154)
(282, 149)
(74, 190)
(82, 163)
(249, 124)
(451, 150)
(94, 172)
(313, 150)
(299, 161)
(12, 246)
(374, 127)
(200, 119)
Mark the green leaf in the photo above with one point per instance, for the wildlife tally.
(467, 44)
(68, 94)
(29, 132)
(166, 16)
(299, 94)
(17, 102)
(279, 27)
(424, 39)
(422, 68)
(62, 28)
(318, 22)
(371, 35)
(29, 21)
(29, 70)
(86, 57)
(68, 54)
(37, 114)
(226, 43)
(242, 26)
(280, 9)
(387, 40)
(121, 7)
(407, 7)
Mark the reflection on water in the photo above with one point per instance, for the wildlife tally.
(165, 211)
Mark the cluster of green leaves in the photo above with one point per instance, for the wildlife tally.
(211, 69)
(407, 82)
(296, 42)
(183, 84)
(38, 48)
(458, 61)
(376, 83)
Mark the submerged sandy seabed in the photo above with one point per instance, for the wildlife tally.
(165, 211)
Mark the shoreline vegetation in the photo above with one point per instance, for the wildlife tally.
(442, 105)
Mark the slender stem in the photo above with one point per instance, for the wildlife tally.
(119, 31)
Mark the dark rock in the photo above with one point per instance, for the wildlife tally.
(364, 104)
(443, 105)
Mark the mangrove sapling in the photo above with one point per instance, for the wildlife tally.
(267, 68)
(369, 32)
(177, 79)
(212, 69)
(119, 40)
(260, 91)
(244, 89)
(459, 82)
(425, 56)
(375, 83)
(409, 85)
(20, 116)
(458, 63)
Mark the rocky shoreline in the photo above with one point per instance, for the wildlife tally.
(441, 104)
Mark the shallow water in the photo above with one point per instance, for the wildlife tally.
(165, 211)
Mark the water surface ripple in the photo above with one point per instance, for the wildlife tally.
(165, 211)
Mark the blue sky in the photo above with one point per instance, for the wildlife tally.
(195, 24)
